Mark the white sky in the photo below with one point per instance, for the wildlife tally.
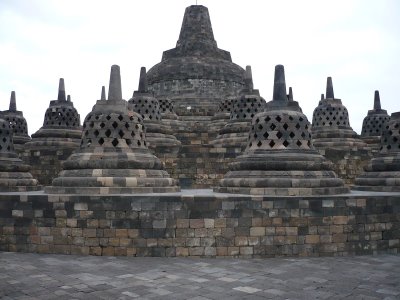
(355, 42)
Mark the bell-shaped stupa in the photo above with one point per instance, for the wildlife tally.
(159, 136)
(382, 173)
(374, 124)
(14, 173)
(113, 156)
(196, 73)
(18, 124)
(280, 158)
(244, 108)
(331, 125)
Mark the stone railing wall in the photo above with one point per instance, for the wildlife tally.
(200, 224)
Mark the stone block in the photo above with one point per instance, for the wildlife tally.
(196, 223)
(312, 239)
(257, 231)
(81, 206)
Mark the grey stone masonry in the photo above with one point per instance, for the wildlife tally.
(55, 140)
(159, 136)
(279, 158)
(331, 125)
(18, 124)
(196, 73)
(14, 174)
(374, 124)
(244, 108)
(383, 171)
(113, 156)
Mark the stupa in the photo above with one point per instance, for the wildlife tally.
(244, 108)
(331, 125)
(55, 140)
(14, 173)
(382, 174)
(113, 156)
(374, 124)
(18, 124)
(196, 75)
(159, 137)
(279, 158)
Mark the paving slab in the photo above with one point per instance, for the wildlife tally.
(49, 276)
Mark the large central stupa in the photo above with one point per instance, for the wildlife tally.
(196, 75)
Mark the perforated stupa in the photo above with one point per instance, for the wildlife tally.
(113, 156)
(374, 123)
(18, 123)
(279, 158)
(331, 125)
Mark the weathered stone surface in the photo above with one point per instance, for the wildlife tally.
(14, 174)
(113, 156)
(279, 158)
(383, 171)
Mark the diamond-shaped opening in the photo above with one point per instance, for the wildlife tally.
(278, 118)
(285, 143)
(267, 119)
(4, 140)
(308, 143)
(395, 139)
(102, 125)
(273, 126)
(279, 134)
(139, 143)
(389, 147)
(128, 142)
(126, 125)
(120, 117)
(108, 117)
(271, 144)
(306, 127)
(96, 133)
(285, 126)
(101, 141)
(114, 142)
(114, 124)
(259, 144)
(260, 127)
(303, 135)
(86, 133)
(292, 135)
(255, 135)
(91, 124)
(298, 125)
(298, 143)
(132, 134)
(250, 144)
(121, 133)
(108, 133)
(266, 134)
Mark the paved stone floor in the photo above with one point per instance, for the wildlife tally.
(38, 276)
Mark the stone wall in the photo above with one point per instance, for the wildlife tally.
(202, 224)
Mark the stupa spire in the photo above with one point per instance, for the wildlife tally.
(103, 93)
(248, 78)
(69, 98)
(61, 90)
(196, 26)
(279, 84)
(290, 96)
(377, 101)
(322, 96)
(142, 81)
(13, 103)
(329, 89)
(115, 89)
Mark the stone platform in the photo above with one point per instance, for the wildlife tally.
(44, 276)
(200, 223)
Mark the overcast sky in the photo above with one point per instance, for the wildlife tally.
(355, 42)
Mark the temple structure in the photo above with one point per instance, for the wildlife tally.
(14, 173)
(55, 140)
(383, 171)
(279, 158)
(18, 124)
(374, 124)
(113, 156)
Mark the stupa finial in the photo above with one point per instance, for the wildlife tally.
(329, 89)
(61, 90)
(279, 84)
(13, 102)
(290, 96)
(377, 101)
(103, 93)
(248, 78)
(142, 81)
(115, 89)
(69, 98)
(322, 96)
